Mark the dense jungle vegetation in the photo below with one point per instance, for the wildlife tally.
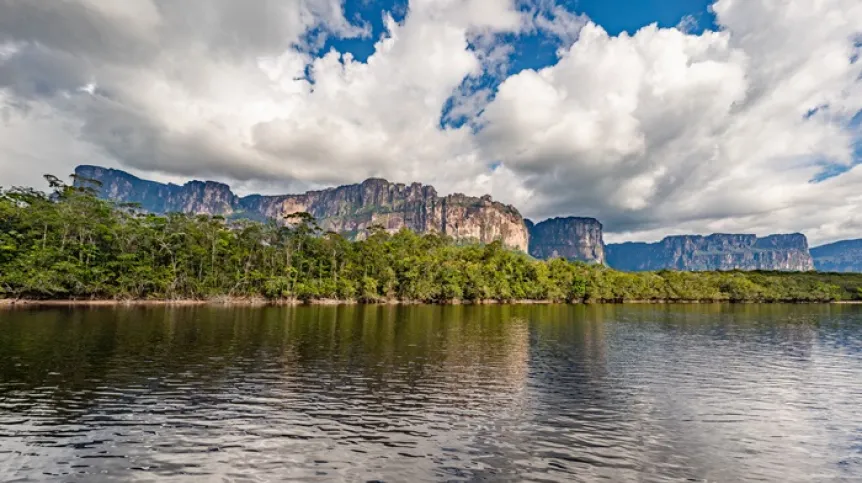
(68, 244)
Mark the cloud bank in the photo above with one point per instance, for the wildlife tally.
(755, 127)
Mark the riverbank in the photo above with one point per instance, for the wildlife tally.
(260, 302)
(240, 301)
(71, 245)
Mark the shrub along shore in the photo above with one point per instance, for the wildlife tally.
(69, 245)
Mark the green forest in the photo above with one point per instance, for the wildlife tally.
(69, 244)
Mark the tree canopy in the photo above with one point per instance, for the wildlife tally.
(69, 244)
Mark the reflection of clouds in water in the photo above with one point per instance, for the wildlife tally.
(431, 393)
(729, 393)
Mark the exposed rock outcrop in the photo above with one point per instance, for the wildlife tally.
(714, 252)
(353, 209)
(350, 210)
(570, 238)
(842, 256)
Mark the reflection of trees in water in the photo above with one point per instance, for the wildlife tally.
(469, 360)
(120, 344)
(416, 378)
(508, 388)
(569, 351)
(409, 345)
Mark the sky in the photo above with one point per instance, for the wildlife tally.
(657, 117)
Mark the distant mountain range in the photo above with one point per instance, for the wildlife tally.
(693, 252)
(842, 256)
(352, 209)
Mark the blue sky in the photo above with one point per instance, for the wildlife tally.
(536, 51)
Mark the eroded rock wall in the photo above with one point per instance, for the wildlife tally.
(350, 210)
(714, 252)
(571, 238)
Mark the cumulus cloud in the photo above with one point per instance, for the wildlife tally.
(152, 85)
(667, 131)
(557, 21)
(228, 90)
(663, 131)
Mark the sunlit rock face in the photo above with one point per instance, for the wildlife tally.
(842, 256)
(714, 252)
(350, 210)
(571, 238)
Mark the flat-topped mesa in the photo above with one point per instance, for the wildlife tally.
(791, 241)
(841, 256)
(350, 209)
(353, 209)
(204, 197)
(571, 238)
(714, 252)
(481, 219)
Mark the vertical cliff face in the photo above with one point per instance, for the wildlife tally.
(571, 238)
(353, 209)
(842, 256)
(714, 252)
(350, 210)
(468, 218)
(194, 197)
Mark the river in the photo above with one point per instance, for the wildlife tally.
(431, 393)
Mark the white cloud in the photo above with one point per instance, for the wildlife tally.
(382, 118)
(687, 24)
(559, 22)
(658, 132)
(665, 131)
(208, 106)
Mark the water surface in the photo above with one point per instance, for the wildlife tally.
(493, 393)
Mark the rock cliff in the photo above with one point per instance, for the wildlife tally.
(714, 252)
(842, 256)
(349, 210)
(352, 209)
(571, 238)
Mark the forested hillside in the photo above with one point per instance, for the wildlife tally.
(68, 244)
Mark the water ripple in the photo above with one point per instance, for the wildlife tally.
(557, 393)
